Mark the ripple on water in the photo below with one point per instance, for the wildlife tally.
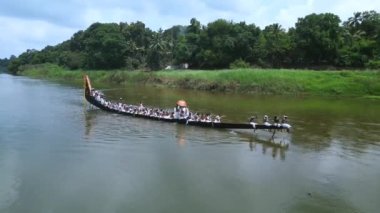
(355, 142)
(9, 179)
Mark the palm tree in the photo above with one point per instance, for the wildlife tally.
(354, 22)
(159, 51)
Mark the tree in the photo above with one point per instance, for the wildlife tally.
(4, 64)
(175, 37)
(77, 42)
(138, 39)
(217, 45)
(71, 60)
(159, 52)
(317, 38)
(104, 46)
(223, 42)
(362, 37)
(193, 32)
(277, 46)
(247, 38)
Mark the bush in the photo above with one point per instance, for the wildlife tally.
(239, 63)
(71, 60)
(373, 64)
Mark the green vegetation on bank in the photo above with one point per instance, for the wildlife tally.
(317, 41)
(261, 81)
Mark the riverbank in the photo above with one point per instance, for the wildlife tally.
(261, 81)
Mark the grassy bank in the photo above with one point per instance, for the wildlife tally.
(263, 81)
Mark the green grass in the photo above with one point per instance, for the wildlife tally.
(263, 81)
(348, 83)
(373, 97)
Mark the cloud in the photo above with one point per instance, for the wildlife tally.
(346, 8)
(18, 35)
(288, 15)
(63, 13)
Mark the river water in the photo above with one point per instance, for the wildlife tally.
(59, 155)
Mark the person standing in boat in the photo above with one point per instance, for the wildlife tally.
(181, 109)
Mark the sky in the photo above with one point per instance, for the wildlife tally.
(34, 24)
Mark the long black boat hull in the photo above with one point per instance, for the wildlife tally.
(220, 125)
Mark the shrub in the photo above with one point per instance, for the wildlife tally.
(239, 63)
(373, 64)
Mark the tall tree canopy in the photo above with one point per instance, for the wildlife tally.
(105, 46)
(362, 36)
(316, 40)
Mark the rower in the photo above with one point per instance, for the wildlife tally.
(252, 121)
(217, 119)
(284, 123)
(266, 120)
(141, 107)
(276, 121)
(208, 117)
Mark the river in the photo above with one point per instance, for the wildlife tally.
(57, 154)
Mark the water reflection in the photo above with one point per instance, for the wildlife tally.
(266, 147)
(183, 134)
(9, 179)
(180, 136)
(353, 136)
(88, 121)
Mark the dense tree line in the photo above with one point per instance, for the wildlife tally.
(316, 41)
(4, 64)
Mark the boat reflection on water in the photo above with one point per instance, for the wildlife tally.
(279, 138)
(257, 143)
(261, 141)
(180, 136)
(88, 118)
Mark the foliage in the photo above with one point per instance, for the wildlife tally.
(4, 63)
(225, 42)
(239, 63)
(159, 52)
(373, 64)
(105, 46)
(362, 38)
(317, 40)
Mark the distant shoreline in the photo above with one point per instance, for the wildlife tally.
(348, 83)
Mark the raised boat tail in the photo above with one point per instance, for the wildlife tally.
(87, 85)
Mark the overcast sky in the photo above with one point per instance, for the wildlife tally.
(34, 24)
